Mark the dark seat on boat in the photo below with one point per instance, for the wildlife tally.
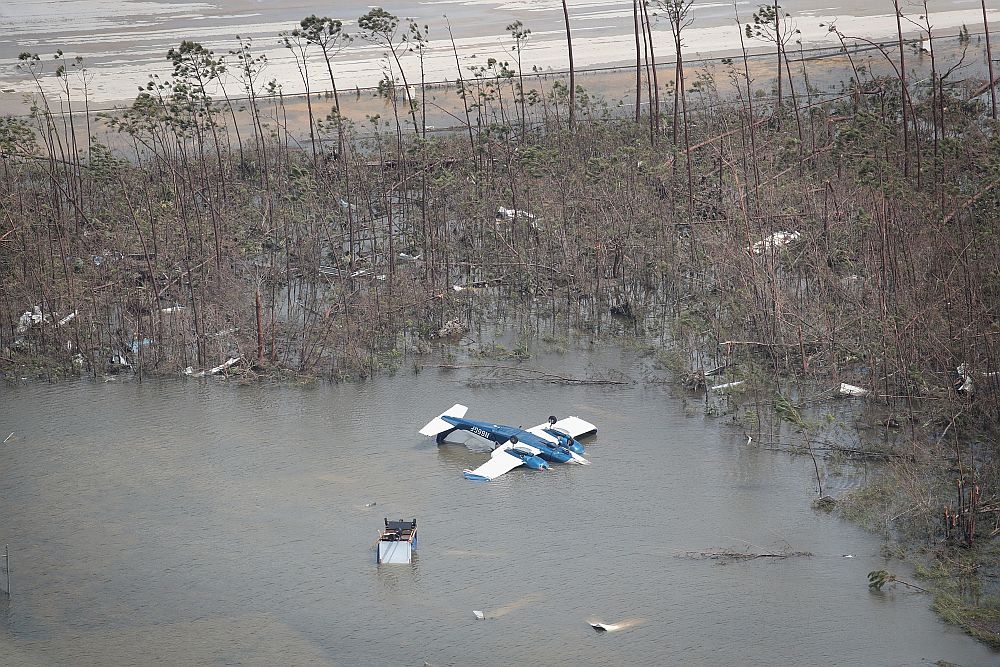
(401, 525)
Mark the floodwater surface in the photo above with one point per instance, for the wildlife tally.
(198, 522)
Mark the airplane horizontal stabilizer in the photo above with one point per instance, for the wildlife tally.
(438, 425)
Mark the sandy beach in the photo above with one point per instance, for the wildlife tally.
(123, 44)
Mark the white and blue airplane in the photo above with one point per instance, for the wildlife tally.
(555, 441)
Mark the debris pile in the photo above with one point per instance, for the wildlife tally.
(451, 329)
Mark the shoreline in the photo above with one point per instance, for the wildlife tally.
(359, 66)
(828, 69)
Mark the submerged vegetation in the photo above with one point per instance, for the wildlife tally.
(790, 242)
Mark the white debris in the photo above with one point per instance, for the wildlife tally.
(67, 319)
(774, 242)
(925, 45)
(851, 390)
(965, 386)
(78, 360)
(212, 371)
(451, 329)
(479, 615)
(29, 319)
(509, 214)
(728, 385)
(407, 257)
(172, 309)
(457, 288)
(218, 369)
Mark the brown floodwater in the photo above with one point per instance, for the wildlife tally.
(181, 521)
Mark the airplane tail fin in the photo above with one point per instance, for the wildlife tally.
(438, 425)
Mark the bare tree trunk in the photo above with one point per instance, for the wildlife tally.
(902, 94)
(652, 59)
(572, 74)
(989, 60)
(777, 42)
(638, 62)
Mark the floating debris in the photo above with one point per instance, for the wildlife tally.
(451, 329)
(212, 371)
(8, 437)
(851, 390)
(479, 615)
(601, 627)
(371, 504)
(728, 385)
(397, 542)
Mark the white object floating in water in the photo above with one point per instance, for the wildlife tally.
(372, 504)
(851, 390)
(925, 45)
(728, 385)
(848, 556)
(479, 615)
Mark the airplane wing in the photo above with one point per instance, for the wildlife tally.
(438, 425)
(575, 426)
(500, 463)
